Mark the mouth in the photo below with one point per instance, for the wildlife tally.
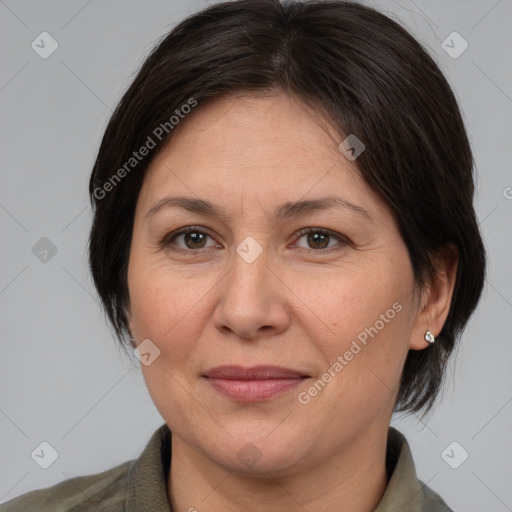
(253, 384)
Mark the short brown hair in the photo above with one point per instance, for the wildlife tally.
(368, 76)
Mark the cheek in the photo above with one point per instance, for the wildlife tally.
(167, 306)
(168, 309)
(363, 323)
(348, 302)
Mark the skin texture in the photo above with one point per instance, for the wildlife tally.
(298, 305)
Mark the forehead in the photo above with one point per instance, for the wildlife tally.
(264, 149)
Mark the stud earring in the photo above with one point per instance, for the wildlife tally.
(430, 338)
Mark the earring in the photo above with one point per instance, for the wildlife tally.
(430, 337)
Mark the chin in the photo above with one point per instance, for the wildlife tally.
(251, 453)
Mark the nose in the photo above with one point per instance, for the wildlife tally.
(252, 300)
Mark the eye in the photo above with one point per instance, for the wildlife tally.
(318, 239)
(191, 238)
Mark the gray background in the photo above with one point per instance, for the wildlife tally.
(62, 378)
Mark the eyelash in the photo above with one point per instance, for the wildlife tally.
(342, 241)
(166, 242)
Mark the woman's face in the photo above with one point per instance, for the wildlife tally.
(248, 287)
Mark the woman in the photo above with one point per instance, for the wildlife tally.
(284, 229)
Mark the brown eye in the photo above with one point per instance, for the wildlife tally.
(320, 240)
(194, 240)
(317, 240)
(189, 238)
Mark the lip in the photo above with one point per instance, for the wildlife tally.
(232, 372)
(253, 384)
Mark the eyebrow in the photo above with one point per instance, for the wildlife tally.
(286, 210)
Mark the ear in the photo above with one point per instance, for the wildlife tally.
(436, 298)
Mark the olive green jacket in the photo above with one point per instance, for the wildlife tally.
(140, 485)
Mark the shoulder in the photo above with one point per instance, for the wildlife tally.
(77, 494)
(431, 501)
(138, 484)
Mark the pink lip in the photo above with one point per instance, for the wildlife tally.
(253, 384)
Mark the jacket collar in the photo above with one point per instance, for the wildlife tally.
(146, 482)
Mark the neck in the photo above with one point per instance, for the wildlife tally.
(352, 479)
